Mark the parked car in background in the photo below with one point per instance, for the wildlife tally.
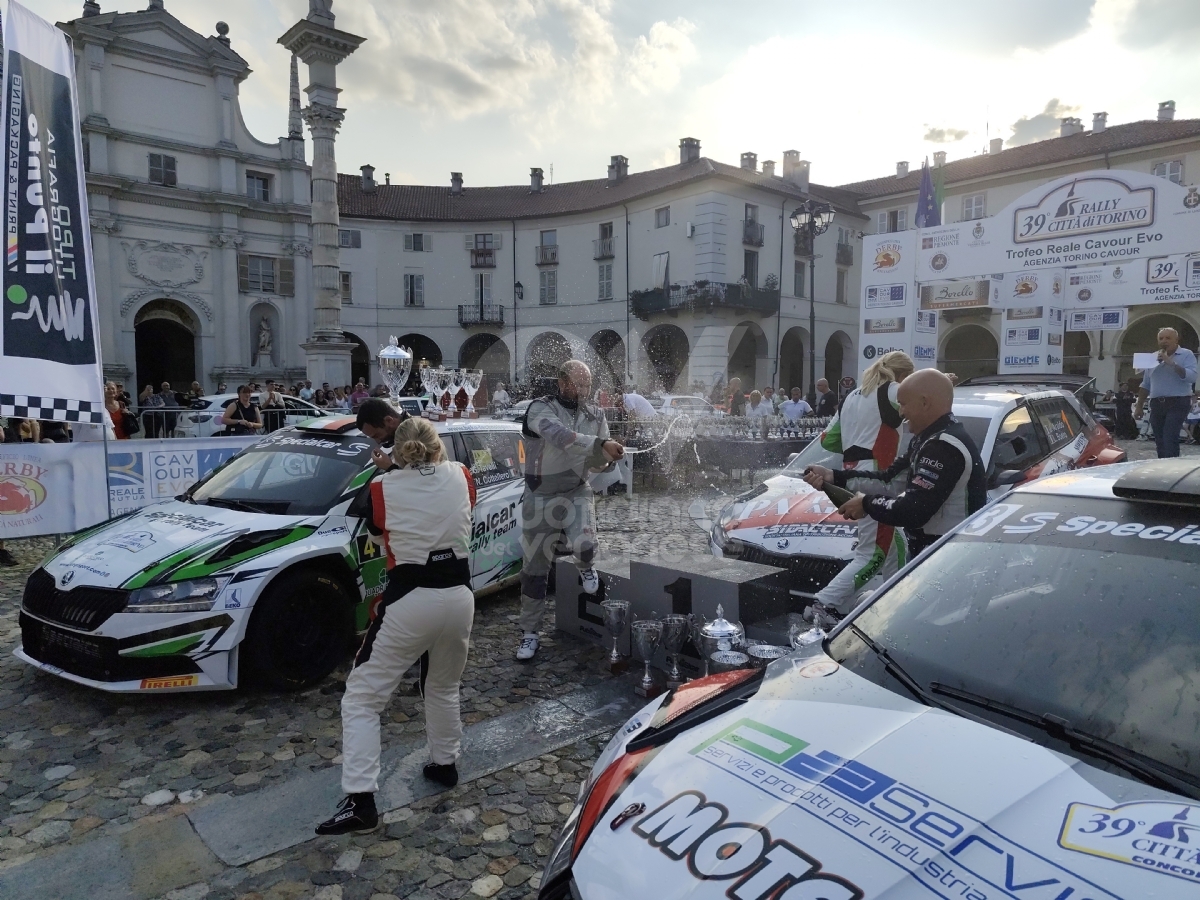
(200, 420)
(677, 404)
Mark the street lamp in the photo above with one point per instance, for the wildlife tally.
(811, 219)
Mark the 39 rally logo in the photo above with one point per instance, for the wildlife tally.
(689, 828)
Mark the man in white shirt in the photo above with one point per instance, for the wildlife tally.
(796, 408)
(637, 406)
(306, 392)
(500, 398)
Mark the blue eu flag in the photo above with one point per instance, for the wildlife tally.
(929, 211)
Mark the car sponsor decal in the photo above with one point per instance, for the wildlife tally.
(813, 529)
(182, 520)
(1160, 836)
(953, 854)
(218, 625)
(174, 681)
(134, 541)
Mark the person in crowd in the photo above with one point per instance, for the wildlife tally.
(1109, 397)
(170, 401)
(340, 401)
(1169, 386)
(737, 399)
(566, 439)
(945, 479)
(55, 432)
(378, 420)
(500, 399)
(759, 408)
(827, 400)
(222, 387)
(773, 397)
(195, 392)
(359, 394)
(306, 391)
(327, 389)
(636, 406)
(153, 417)
(866, 432)
(1192, 422)
(421, 515)
(796, 408)
(143, 397)
(318, 398)
(114, 414)
(274, 411)
(29, 431)
(241, 416)
(123, 395)
(1124, 401)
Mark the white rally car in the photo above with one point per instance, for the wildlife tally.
(262, 568)
(1015, 716)
(1023, 432)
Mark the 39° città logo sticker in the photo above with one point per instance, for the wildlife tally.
(1156, 835)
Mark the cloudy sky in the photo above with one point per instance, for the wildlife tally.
(492, 87)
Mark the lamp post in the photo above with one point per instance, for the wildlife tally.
(811, 219)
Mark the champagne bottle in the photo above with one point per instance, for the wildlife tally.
(839, 496)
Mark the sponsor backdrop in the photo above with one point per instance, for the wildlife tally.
(1080, 250)
(48, 336)
(53, 488)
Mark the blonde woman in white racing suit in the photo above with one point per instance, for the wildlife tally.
(866, 432)
(420, 513)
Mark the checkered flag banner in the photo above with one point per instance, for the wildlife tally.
(49, 341)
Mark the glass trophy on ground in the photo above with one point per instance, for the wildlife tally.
(395, 364)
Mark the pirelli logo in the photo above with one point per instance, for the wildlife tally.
(175, 681)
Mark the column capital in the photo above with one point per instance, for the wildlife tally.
(322, 118)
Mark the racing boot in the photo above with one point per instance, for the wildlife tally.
(356, 814)
(445, 775)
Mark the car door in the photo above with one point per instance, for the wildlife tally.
(496, 460)
(1065, 432)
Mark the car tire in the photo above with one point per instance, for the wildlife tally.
(300, 629)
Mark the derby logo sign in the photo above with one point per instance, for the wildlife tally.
(1084, 206)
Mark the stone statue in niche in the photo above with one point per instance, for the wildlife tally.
(265, 342)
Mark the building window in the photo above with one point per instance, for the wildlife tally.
(606, 281)
(606, 231)
(414, 289)
(974, 206)
(484, 242)
(798, 288)
(418, 242)
(892, 220)
(751, 212)
(258, 187)
(1172, 171)
(548, 287)
(662, 217)
(349, 238)
(483, 288)
(344, 282)
(840, 296)
(162, 169)
(261, 274)
(267, 275)
(751, 267)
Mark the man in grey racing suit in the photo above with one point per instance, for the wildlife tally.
(566, 439)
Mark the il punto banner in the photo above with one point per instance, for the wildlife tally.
(49, 344)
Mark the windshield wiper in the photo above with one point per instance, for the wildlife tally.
(232, 504)
(1148, 769)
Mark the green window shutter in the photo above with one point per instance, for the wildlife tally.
(287, 276)
(243, 272)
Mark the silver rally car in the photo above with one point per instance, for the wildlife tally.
(1015, 716)
(263, 568)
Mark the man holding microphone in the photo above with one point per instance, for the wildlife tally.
(1169, 387)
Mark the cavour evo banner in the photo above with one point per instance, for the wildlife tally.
(49, 346)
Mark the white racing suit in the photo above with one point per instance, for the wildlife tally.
(867, 434)
(562, 446)
(422, 519)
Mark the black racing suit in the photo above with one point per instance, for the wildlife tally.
(946, 483)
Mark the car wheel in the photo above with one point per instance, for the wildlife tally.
(299, 631)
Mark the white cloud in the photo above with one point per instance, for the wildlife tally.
(656, 62)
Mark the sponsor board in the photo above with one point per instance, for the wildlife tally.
(925, 354)
(926, 322)
(50, 488)
(893, 325)
(1019, 313)
(1097, 320)
(1015, 337)
(884, 296)
(955, 295)
(143, 472)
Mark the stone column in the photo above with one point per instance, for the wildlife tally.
(321, 47)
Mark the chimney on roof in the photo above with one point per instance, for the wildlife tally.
(791, 158)
(689, 150)
(155, 4)
(750, 162)
(1070, 125)
(901, 169)
(535, 181)
(618, 168)
(996, 146)
(1099, 122)
(456, 183)
(769, 168)
(90, 8)
(387, 177)
(1166, 111)
(800, 175)
(939, 158)
(368, 179)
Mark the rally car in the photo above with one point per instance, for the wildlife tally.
(262, 568)
(1023, 432)
(1015, 716)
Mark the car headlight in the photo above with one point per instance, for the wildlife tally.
(198, 595)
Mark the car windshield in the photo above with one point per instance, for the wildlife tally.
(1084, 609)
(287, 473)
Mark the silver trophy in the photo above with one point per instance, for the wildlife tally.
(675, 632)
(647, 634)
(616, 613)
(395, 364)
(472, 379)
(458, 380)
(445, 378)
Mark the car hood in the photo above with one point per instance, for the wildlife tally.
(791, 517)
(173, 537)
(826, 778)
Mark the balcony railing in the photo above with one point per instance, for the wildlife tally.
(546, 254)
(473, 314)
(845, 254)
(602, 248)
(752, 233)
(704, 296)
(483, 259)
(804, 244)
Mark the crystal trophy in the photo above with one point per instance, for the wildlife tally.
(395, 364)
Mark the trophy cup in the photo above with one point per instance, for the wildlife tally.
(472, 378)
(675, 632)
(615, 614)
(647, 634)
(458, 380)
(427, 385)
(443, 388)
(395, 363)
